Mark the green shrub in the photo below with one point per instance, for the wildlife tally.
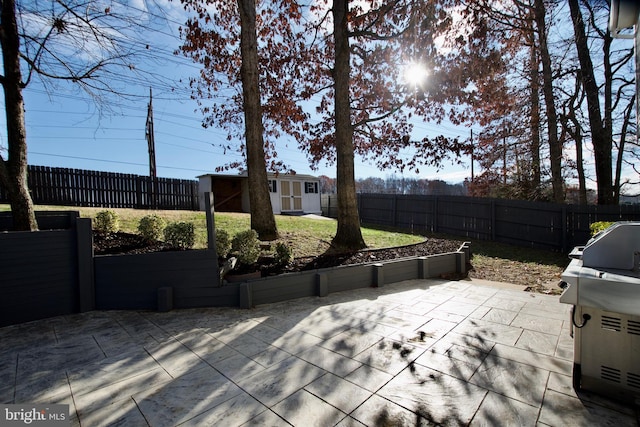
(597, 227)
(107, 221)
(223, 243)
(246, 246)
(180, 235)
(283, 254)
(151, 227)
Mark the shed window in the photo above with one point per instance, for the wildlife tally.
(310, 187)
(273, 186)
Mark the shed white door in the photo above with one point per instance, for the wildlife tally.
(291, 195)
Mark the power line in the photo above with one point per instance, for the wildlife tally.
(113, 161)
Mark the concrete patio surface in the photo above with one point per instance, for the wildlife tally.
(420, 352)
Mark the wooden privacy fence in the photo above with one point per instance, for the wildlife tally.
(541, 225)
(77, 187)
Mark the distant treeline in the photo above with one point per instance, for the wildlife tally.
(398, 185)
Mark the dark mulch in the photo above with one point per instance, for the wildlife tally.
(431, 246)
(125, 243)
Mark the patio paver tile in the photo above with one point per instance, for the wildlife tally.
(45, 388)
(248, 345)
(198, 392)
(123, 413)
(349, 422)
(564, 349)
(57, 357)
(538, 342)
(448, 365)
(273, 384)
(377, 411)
(267, 418)
(175, 358)
(460, 308)
(369, 378)
(564, 384)
(437, 397)
(389, 356)
(100, 374)
(519, 381)
(420, 308)
(295, 342)
(499, 315)
(504, 303)
(490, 331)
(537, 323)
(329, 361)
(270, 356)
(500, 410)
(479, 312)
(338, 392)
(90, 401)
(304, 409)
(446, 316)
(351, 342)
(437, 328)
(539, 360)
(237, 367)
(453, 338)
(560, 409)
(233, 412)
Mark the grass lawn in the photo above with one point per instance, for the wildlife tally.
(307, 237)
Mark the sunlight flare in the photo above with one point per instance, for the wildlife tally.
(415, 74)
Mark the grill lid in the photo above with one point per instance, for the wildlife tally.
(617, 247)
(605, 274)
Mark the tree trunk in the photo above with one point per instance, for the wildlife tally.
(600, 132)
(623, 138)
(262, 218)
(13, 170)
(535, 118)
(582, 182)
(555, 145)
(348, 235)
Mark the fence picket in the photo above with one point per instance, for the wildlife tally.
(533, 224)
(78, 187)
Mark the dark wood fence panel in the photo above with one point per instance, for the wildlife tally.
(380, 209)
(522, 223)
(415, 213)
(463, 216)
(541, 225)
(77, 187)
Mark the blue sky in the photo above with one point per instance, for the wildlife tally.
(66, 128)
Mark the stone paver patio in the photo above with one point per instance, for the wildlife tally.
(414, 353)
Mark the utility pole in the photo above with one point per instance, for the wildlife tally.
(153, 188)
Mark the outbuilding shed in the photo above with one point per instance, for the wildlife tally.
(290, 194)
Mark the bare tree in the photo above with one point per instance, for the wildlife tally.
(81, 42)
